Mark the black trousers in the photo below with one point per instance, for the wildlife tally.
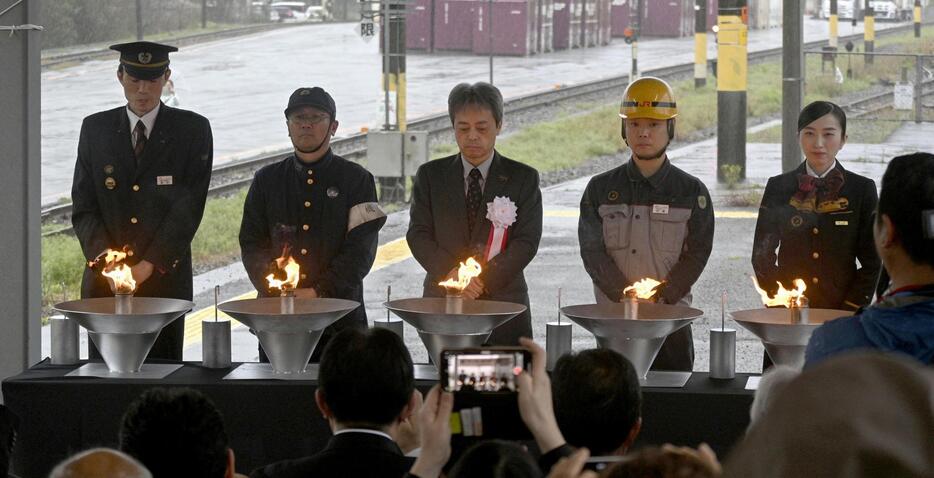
(677, 353)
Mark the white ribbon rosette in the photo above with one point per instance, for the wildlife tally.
(502, 213)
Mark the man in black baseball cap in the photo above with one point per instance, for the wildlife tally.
(315, 97)
(316, 207)
(140, 182)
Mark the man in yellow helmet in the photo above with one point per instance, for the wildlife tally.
(647, 218)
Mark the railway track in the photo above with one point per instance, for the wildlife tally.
(233, 176)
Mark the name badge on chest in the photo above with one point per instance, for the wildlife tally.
(659, 209)
(163, 180)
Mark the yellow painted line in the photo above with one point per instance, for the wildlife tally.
(720, 214)
(386, 255)
(736, 214)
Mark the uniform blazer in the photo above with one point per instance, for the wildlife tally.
(821, 248)
(155, 208)
(336, 199)
(351, 454)
(438, 235)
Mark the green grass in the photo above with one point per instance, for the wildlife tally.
(874, 131)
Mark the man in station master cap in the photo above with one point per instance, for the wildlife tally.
(140, 183)
(316, 207)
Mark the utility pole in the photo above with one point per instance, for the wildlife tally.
(635, 24)
(139, 20)
(700, 43)
(792, 81)
(392, 189)
(732, 64)
(869, 31)
(917, 18)
(833, 24)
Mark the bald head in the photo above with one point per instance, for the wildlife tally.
(100, 462)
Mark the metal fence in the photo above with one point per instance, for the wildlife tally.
(880, 86)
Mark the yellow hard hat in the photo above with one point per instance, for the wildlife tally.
(648, 97)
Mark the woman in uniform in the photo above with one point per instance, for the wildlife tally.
(815, 222)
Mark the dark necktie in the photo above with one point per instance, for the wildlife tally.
(139, 133)
(474, 199)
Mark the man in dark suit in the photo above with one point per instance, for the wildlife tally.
(366, 391)
(452, 207)
(140, 182)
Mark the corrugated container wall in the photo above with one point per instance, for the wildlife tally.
(514, 31)
(454, 24)
(604, 22)
(577, 23)
(666, 18)
(562, 25)
(546, 23)
(418, 25)
(619, 17)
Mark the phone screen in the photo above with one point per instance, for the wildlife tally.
(483, 370)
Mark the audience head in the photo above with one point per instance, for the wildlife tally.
(773, 381)
(177, 433)
(495, 459)
(905, 229)
(598, 401)
(855, 415)
(100, 462)
(366, 379)
(667, 462)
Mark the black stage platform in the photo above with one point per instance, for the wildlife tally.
(270, 420)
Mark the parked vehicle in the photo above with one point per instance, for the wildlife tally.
(288, 11)
(317, 11)
(844, 9)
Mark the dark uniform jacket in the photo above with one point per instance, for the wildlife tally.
(350, 454)
(155, 208)
(819, 247)
(439, 240)
(327, 212)
(632, 227)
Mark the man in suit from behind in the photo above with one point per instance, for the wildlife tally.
(366, 391)
(140, 184)
(479, 204)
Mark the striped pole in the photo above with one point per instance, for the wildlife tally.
(869, 31)
(700, 43)
(732, 64)
(833, 24)
(917, 18)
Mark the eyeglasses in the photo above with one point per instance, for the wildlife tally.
(303, 120)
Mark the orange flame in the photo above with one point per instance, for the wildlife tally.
(784, 297)
(291, 269)
(643, 289)
(117, 271)
(467, 271)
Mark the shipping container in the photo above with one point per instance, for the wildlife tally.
(455, 21)
(545, 39)
(514, 28)
(619, 17)
(667, 18)
(577, 23)
(418, 21)
(604, 22)
(561, 30)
